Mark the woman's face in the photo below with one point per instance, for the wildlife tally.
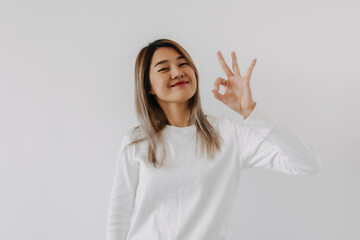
(168, 67)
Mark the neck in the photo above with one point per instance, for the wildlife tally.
(177, 113)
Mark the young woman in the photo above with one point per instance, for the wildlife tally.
(163, 188)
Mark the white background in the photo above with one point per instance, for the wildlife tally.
(67, 97)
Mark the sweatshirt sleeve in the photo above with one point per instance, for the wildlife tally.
(268, 143)
(123, 193)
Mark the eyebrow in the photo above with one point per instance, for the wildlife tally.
(165, 61)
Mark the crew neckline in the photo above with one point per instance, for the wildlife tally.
(180, 129)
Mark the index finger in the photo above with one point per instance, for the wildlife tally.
(224, 66)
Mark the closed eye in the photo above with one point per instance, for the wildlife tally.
(179, 65)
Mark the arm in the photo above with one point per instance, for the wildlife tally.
(123, 194)
(266, 142)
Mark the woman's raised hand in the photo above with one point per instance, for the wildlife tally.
(237, 94)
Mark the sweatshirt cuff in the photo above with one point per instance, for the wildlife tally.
(261, 120)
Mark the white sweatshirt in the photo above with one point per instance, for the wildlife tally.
(190, 197)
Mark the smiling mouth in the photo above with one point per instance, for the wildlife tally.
(180, 83)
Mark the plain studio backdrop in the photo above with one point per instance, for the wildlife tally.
(67, 98)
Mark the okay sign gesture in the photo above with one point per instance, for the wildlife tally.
(237, 94)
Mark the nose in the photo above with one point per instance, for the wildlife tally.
(177, 72)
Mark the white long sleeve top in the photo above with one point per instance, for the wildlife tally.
(190, 197)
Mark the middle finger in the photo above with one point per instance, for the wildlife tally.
(235, 65)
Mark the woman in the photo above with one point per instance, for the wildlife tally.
(190, 195)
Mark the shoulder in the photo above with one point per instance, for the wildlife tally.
(224, 125)
(127, 151)
(222, 121)
(134, 133)
(129, 136)
(211, 118)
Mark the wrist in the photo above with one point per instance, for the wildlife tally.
(246, 112)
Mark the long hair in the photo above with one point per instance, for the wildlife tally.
(152, 118)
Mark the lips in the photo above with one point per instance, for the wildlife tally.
(179, 82)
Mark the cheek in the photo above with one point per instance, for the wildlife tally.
(159, 84)
(191, 73)
(193, 77)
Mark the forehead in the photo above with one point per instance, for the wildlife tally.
(164, 53)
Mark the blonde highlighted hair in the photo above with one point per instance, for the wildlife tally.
(152, 118)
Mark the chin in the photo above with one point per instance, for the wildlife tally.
(181, 99)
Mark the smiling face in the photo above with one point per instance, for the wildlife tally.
(168, 67)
